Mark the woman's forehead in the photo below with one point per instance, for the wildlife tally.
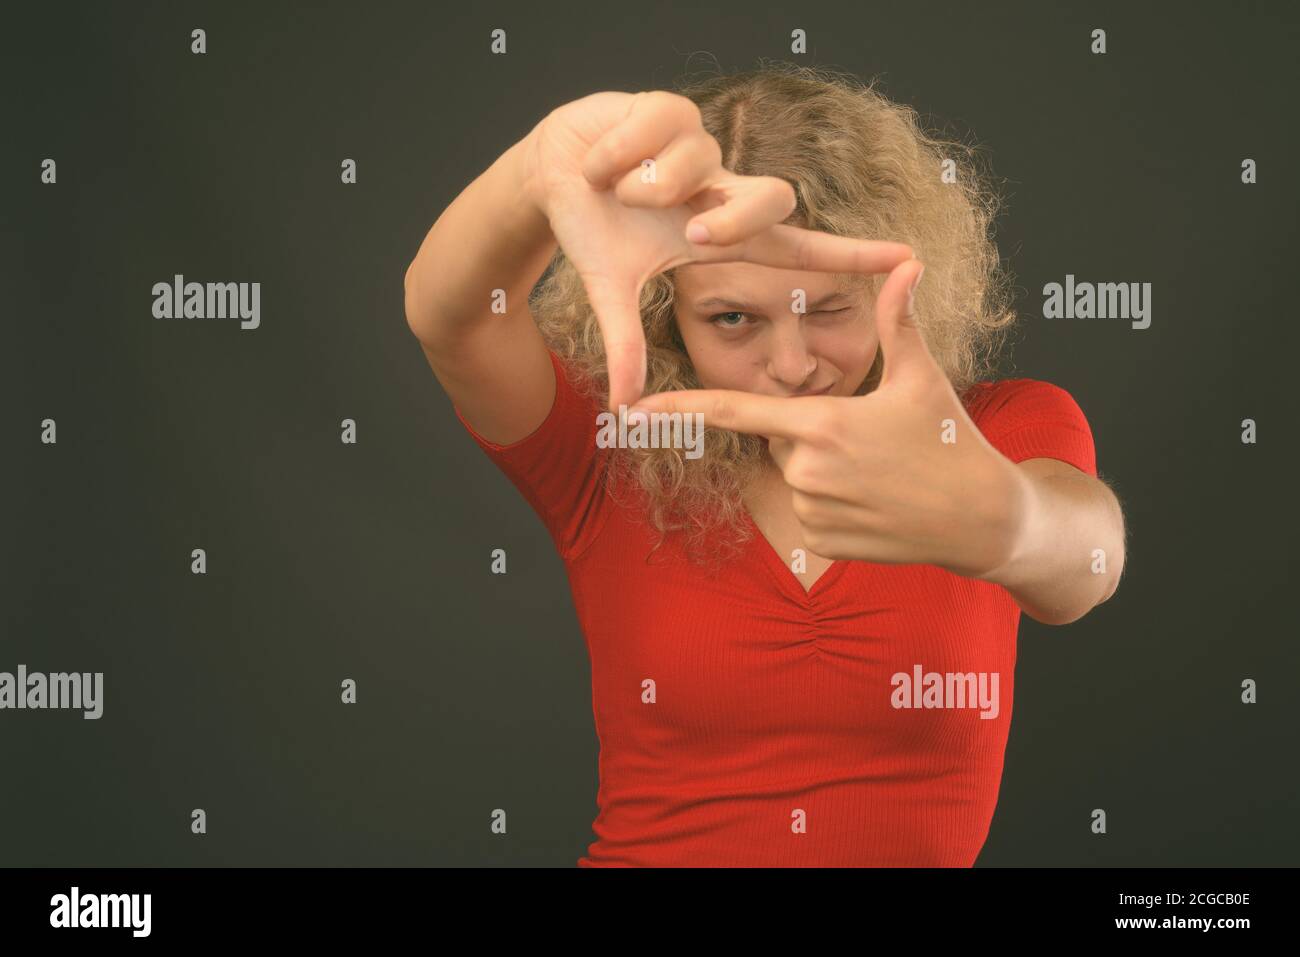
(741, 282)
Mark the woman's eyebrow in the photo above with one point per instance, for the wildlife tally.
(713, 302)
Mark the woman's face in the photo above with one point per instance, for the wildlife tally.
(741, 331)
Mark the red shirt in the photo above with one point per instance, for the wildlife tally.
(745, 722)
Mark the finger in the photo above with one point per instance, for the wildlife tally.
(904, 349)
(791, 247)
(780, 450)
(750, 205)
(749, 412)
(683, 168)
(618, 313)
(653, 120)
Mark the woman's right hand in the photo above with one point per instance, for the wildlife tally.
(618, 238)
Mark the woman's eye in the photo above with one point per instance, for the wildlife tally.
(722, 318)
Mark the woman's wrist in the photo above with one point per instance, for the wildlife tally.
(526, 170)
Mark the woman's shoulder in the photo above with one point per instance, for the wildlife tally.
(1023, 396)
(1029, 418)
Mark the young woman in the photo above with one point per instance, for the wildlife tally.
(803, 639)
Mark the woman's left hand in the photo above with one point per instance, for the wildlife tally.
(900, 475)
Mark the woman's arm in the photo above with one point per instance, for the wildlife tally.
(494, 366)
(1070, 551)
(577, 180)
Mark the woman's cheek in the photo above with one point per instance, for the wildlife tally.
(854, 354)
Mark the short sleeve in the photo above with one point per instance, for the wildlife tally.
(558, 468)
(1029, 419)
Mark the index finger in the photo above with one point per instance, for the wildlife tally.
(660, 118)
(792, 247)
(725, 409)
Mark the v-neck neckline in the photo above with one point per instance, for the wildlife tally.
(786, 577)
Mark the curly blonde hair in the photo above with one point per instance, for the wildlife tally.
(861, 166)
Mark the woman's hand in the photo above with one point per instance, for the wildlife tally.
(665, 172)
(899, 475)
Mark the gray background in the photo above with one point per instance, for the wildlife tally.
(372, 561)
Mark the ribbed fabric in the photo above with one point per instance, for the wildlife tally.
(745, 722)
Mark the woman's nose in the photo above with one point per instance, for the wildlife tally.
(790, 362)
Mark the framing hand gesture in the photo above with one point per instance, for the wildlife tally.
(620, 222)
(899, 475)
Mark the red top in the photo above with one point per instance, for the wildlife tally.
(745, 722)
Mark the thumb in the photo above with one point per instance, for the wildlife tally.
(618, 313)
(900, 334)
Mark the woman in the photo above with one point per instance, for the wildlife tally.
(803, 639)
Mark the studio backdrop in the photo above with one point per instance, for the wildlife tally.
(267, 544)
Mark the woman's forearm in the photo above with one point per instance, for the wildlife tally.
(493, 236)
(1072, 545)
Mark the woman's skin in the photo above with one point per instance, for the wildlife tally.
(620, 222)
(738, 325)
(853, 477)
(561, 183)
(958, 504)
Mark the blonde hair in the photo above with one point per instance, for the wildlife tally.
(861, 166)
